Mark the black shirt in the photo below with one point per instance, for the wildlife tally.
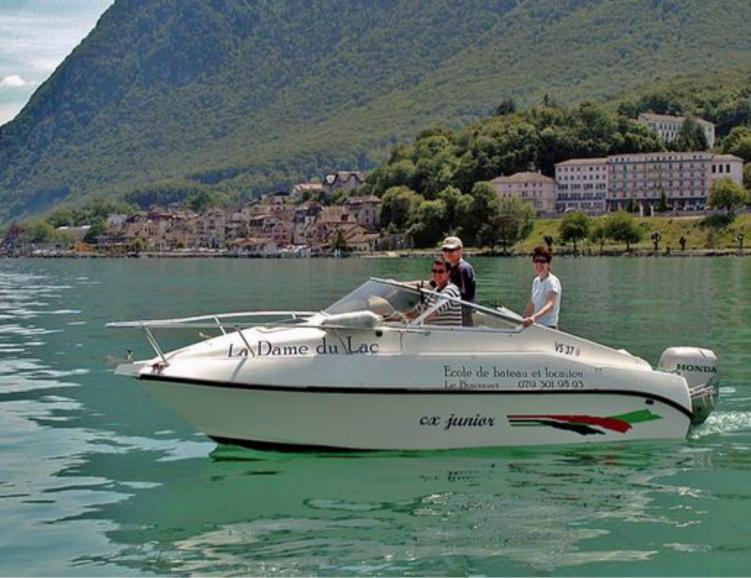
(463, 276)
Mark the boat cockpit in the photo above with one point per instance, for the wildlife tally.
(385, 301)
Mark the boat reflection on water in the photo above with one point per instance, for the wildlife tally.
(485, 511)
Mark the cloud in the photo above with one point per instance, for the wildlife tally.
(12, 81)
(35, 37)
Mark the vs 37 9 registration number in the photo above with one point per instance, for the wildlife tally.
(566, 349)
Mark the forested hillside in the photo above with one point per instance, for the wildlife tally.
(240, 95)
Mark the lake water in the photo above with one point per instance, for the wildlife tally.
(96, 478)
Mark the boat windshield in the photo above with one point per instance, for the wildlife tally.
(392, 300)
(381, 298)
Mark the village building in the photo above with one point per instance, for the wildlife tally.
(277, 201)
(347, 180)
(236, 225)
(309, 190)
(211, 229)
(367, 210)
(356, 238)
(181, 233)
(581, 185)
(668, 127)
(304, 218)
(254, 247)
(12, 239)
(116, 221)
(533, 187)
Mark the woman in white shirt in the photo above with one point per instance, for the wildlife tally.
(545, 304)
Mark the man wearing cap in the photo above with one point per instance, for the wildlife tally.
(462, 274)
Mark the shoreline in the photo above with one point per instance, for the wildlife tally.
(416, 254)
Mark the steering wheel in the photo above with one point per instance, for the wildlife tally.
(401, 316)
(393, 315)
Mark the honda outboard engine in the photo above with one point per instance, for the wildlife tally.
(699, 368)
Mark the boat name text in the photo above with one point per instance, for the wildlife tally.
(454, 421)
(268, 349)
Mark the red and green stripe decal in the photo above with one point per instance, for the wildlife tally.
(585, 424)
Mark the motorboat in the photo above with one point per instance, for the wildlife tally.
(373, 372)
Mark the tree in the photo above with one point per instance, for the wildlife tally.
(574, 227)
(95, 231)
(727, 194)
(598, 234)
(691, 137)
(622, 227)
(340, 244)
(201, 201)
(747, 176)
(428, 224)
(339, 197)
(548, 242)
(506, 106)
(663, 206)
(451, 197)
(476, 211)
(399, 206)
(395, 173)
(136, 245)
(656, 238)
(435, 163)
(738, 143)
(38, 231)
(512, 223)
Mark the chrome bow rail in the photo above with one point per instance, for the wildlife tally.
(216, 321)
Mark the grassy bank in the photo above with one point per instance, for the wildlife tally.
(700, 234)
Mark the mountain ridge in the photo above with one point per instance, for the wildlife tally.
(241, 95)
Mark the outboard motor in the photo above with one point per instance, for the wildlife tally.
(699, 368)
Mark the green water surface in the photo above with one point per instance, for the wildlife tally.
(97, 478)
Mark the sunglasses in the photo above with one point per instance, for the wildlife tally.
(450, 250)
(439, 271)
(539, 260)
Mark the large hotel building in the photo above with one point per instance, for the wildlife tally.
(598, 185)
(615, 182)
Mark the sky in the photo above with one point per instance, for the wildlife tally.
(35, 37)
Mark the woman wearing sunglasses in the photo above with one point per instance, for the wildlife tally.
(449, 312)
(545, 304)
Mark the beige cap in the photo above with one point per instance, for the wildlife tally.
(452, 243)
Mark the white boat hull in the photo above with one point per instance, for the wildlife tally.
(373, 419)
(354, 378)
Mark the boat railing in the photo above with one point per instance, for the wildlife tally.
(221, 321)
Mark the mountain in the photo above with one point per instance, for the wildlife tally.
(238, 95)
